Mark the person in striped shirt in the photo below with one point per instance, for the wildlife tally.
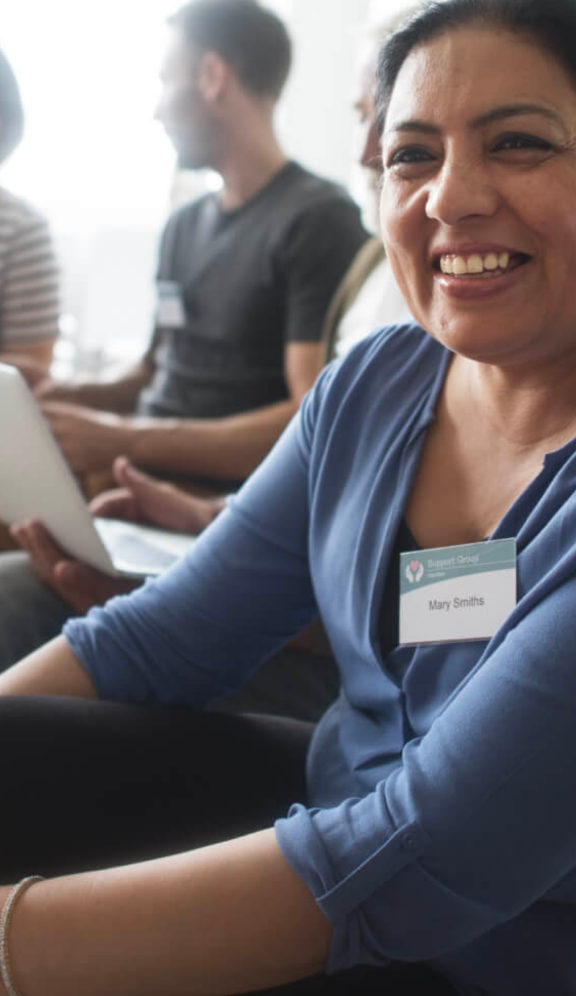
(29, 272)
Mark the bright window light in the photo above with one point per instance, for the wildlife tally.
(89, 78)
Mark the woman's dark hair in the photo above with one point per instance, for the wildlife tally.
(250, 38)
(550, 23)
(11, 110)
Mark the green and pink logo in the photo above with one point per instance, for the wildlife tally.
(415, 571)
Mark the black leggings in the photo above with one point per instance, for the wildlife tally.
(89, 785)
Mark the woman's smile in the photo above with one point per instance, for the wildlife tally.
(477, 272)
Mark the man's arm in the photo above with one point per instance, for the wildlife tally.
(117, 395)
(230, 447)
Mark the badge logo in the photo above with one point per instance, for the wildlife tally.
(415, 571)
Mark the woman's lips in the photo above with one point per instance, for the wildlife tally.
(468, 277)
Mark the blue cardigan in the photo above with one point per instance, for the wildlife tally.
(441, 824)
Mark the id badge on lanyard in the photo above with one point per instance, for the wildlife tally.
(170, 312)
(456, 593)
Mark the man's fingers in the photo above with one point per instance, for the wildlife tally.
(151, 498)
(83, 587)
(119, 469)
(36, 537)
(40, 547)
(117, 504)
(76, 585)
(127, 475)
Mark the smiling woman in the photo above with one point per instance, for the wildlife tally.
(502, 159)
(434, 820)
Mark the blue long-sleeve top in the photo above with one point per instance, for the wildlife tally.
(441, 823)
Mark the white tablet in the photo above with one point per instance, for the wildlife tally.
(36, 482)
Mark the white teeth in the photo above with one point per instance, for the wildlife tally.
(460, 265)
(475, 264)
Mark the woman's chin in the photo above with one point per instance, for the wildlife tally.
(486, 338)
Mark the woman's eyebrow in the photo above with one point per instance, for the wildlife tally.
(489, 117)
(414, 125)
(516, 110)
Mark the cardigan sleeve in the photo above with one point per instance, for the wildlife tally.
(242, 591)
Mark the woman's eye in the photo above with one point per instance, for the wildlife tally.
(410, 155)
(508, 143)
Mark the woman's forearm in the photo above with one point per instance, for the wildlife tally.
(51, 670)
(223, 919)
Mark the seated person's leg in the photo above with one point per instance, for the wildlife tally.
(30, 613)
(396, 979)
(99, 784)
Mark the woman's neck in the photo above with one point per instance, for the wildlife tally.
(522, 408)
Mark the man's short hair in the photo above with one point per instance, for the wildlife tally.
(250, 38)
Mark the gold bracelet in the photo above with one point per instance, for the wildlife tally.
(5, 918)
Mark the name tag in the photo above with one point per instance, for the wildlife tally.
(457, 592)
(170, 311)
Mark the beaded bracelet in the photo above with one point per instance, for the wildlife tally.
(5, 917)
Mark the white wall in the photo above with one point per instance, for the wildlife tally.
(316, 118)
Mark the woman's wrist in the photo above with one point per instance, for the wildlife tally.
(9, 904)
(4, 893)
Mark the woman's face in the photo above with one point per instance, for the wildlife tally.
(479, 197)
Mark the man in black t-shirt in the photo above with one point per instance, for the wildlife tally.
(245, 275)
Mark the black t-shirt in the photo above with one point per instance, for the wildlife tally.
(252, 280)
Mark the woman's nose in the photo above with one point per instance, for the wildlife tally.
(460, 189)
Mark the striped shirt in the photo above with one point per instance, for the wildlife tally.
(29, 275)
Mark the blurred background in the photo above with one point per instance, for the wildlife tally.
(94, 161)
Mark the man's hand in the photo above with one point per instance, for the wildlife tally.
(78, 585)
(37, 376)
(34, 372)
(140, 498)
(89, 439)
(55, 390)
